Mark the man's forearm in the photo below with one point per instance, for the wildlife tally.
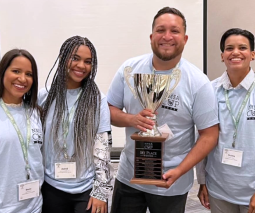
(119, 118)
(138, 121)
(206, 142)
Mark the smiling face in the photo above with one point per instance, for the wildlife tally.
(79, 67)
(18, 80)
(237, 53)
(168, 37)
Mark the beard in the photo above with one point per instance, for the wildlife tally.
(166, 56)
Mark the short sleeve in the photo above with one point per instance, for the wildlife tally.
(115, 94)
(205, 112)
(105, 121)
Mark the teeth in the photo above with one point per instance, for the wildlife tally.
(20, 86)
(169, 45)
(78, 72)
(236, 59)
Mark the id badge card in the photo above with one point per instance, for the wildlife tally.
(166, 129)
(28, 190)
(232, 157)
(65, 170)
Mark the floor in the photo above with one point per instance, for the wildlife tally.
(192, 206)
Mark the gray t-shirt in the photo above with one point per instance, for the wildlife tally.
(192, 102)
(85, 180)
(12, 163)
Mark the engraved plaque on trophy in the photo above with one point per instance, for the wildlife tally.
(151, 90)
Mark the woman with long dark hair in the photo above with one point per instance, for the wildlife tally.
(21, 164)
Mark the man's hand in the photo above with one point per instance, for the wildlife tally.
(171, 176)
(252, 205)
(140, 120)
(203, 196)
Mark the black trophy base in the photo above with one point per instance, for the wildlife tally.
(148, 160)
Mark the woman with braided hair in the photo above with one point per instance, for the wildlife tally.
(75, 120)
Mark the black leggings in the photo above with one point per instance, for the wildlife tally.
(55, 200)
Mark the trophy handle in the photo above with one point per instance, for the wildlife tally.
(127, 75)
(176, 75)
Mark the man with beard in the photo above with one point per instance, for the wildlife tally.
(191, 103)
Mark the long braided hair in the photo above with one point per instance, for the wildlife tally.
(87, 113)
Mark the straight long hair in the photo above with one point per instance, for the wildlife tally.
(30, 98)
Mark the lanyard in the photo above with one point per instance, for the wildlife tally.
(66, 124)
(237, 119)
(24, 145)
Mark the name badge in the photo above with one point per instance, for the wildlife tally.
(28, 190)
(166, 129)
(65, 170)
(232, 157)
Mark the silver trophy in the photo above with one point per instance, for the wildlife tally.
(152, 90)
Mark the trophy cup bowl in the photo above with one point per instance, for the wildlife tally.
(151, 90)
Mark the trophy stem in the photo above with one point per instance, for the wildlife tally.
(151, 132)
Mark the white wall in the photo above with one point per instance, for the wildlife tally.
(118, 29)
(223, 15)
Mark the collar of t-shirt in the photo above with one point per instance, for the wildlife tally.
(245, 83)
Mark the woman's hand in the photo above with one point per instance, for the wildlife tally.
(97, 206)
(203, 196)
(252, 205)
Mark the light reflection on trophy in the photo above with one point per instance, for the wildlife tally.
(151, 90)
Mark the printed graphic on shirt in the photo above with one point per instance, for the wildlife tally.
(37, 136)
(172, 102)
(251, 112)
